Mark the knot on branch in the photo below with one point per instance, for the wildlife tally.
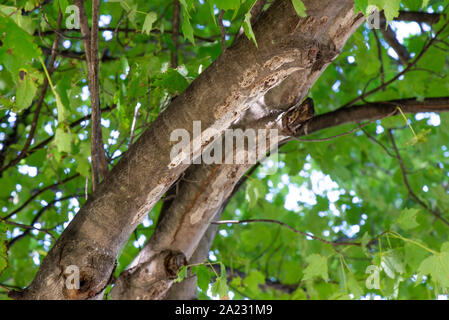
(173, 262)
(295, 117)
(15, 295)
(321, 54)
(85, 270)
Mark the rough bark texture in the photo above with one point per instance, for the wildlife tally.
(204, 188)
(219, 96)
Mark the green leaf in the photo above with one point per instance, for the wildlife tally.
(248, 28)
(3, 247)
(62, 4)
(220, 286)
(63, 140)
(227, 4)
(436, 266)
(414, 255)
(182, 274)
(82, 160)
(172, 81)
(391, 9)
(421, 137)
(186, 27)
(361, 6)
(391, 263)
(26, 90)
(407, 219)
(255, 190)
(365, 240)
(62, 113)
(187, 5)
(204, 276)
(354, 286)
(150, 18)
(317, 267)
(300, 8)
(253, 280)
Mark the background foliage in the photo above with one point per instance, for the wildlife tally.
(347, 189)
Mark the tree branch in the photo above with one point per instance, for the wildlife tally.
(38, 216)
(390, 37)
(90, 36)
(435, 213)
(222, 30)
(140, 178)
(49, 187)
(421, 17)
(175, 33)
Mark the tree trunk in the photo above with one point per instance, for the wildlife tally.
(204, 188)
(234, 82)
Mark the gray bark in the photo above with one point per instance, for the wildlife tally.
(206, 187)
(219, 96)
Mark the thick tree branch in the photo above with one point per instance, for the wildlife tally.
(175, 230)
(238, 78)
(206, 187)
(421, 17)
(188, 288)
(373, 111)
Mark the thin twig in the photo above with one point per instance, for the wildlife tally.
(38, 216)
(175, 33)
(49, 187)
(390, 37)
(24, 226)
(407, 184)
(306, 234)
(133, 126)
(115, 34)
(373, 139)
(379, 54)
(222, 30)
(400, 74)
